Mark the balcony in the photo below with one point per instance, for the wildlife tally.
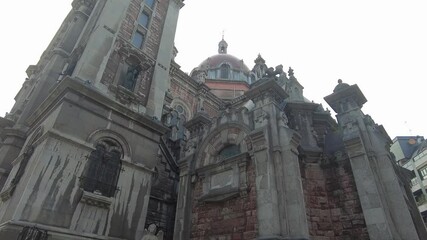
(422, 203)
(415, 187)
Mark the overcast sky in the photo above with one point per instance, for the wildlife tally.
(379, 45)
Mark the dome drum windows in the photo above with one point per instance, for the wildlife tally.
(225, 71)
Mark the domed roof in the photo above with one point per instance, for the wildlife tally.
(217, 60)
(227, 76)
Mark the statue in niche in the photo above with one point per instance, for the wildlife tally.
(283, 120)
(132, 74)
(150, 233)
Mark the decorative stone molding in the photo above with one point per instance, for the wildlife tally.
(79, 4)
(7, 193)
(224, 179)
(126, 50)
(266, 89)
(96, 200)
(180, 3)
(258, 140)
(125, 96)
(143, 65)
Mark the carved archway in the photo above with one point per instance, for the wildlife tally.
(98, 135)
(225, 135)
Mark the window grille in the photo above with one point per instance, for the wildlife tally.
(103, 171)
(32, 233)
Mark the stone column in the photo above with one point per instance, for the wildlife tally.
(296, 221)
(280, 201)
(376, 218)
(81, 12)
(385, 209)
(12, 144)
(266, 189)
(183, 207)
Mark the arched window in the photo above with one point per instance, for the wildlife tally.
(103, 169)
(225, 71)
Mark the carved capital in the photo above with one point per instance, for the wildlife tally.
(125, 96)
(7, 193)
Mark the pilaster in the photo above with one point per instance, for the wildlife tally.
(161, 82)
(280, 200)
(13, 141)
(382, 198)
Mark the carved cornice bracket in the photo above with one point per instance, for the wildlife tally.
(96, 200)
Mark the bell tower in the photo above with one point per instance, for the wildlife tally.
(79, 146)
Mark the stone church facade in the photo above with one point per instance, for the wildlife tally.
(110, 139)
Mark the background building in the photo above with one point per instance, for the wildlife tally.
(410, 152)
(109, 136)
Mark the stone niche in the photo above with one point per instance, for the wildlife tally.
(224, 179)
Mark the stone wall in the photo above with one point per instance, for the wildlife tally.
(163, 195)
(333, 207)
(231, 219)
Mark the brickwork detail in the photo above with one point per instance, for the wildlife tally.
(183, 93)
(158, 16)
(233, 219)
(156, 28)
(333, 207)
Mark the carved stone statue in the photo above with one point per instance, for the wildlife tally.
(270, 72)
(201, 77)
(260, 67)
(131, 77)
(150, 233)
(291, 73)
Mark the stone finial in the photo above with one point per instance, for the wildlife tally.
(341, 86)
(260, 67)
(291, 72)
(259, 59)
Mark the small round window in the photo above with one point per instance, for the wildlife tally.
(180, 109)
